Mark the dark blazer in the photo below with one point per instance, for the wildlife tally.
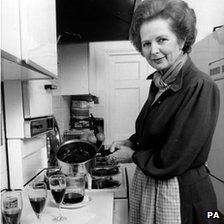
(174, 134)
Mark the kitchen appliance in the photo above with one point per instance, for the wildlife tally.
(28, 114)
(108, 175)
(208, 55)
(104, 174)
(120, 191)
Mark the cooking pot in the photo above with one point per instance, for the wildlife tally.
(75, 157)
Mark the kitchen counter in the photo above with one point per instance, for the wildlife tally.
(99, 210)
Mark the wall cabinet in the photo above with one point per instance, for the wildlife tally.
(38, 34)
(10, 27)
(73, 69)
(29, 35)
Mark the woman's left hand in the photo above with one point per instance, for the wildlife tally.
(123, 154)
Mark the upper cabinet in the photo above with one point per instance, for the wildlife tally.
(10, 27)
(38, 33)
(73, 68)
(29, 36)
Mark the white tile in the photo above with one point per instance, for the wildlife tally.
(57, 114)
(56, 101)
(65, 102)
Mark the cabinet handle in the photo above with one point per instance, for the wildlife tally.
(51, 87)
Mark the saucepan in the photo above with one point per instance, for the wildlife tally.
(75, 157)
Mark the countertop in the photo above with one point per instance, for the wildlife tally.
(99, 210)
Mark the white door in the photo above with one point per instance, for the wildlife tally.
(128, 92)
(118, 76)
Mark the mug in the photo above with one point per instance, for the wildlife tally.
(75, 189)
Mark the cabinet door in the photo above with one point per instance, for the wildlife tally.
(73, 69)
(38, 35)
(120, 211)
(10, 27)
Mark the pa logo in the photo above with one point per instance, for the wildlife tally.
(212, 215)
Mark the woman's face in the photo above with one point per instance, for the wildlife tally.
(160, 45)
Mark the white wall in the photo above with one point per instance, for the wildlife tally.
(61, 111)
(209, 13)
(61, 105)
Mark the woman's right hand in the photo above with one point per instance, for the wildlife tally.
(122, 151)
(122, 155)
(116, 144)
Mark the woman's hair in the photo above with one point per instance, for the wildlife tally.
(183, 20)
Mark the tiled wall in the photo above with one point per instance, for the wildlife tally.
(61, 111)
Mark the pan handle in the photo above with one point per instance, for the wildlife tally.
(107, 152)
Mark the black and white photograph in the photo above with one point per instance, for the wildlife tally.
(112, 112)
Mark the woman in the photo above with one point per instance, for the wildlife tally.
(175, 126)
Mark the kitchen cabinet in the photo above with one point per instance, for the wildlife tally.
(29, 37)
(38, 34)
(120, 211)
(73, 69)
(10, 27)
